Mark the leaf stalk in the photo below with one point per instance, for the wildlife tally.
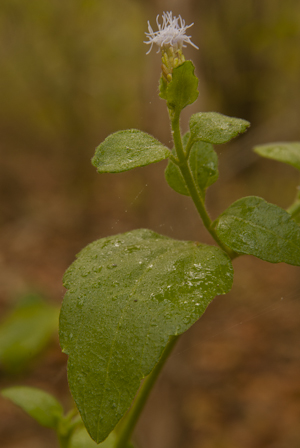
(195, 194)
(133, 414)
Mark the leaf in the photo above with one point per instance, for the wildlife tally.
(215, 128)
(182, 90)
(162, 88)
(128, 149)
(203, 162)
(282, 152)
(26, 331)
(81, 439)
(175, 179)
(253, 226)
(127, 295)
(40, 405)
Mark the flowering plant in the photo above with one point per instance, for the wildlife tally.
(131, 295)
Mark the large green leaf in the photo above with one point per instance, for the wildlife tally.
(40, 405)
(127, 294)
(26, 331)
(283, 152)
(203, 162)
(215, 128)
(128, 149)
(253, 226)
(182, 90)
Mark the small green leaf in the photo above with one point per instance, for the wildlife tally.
(128, 149)
(40, 405)
(127, 295)
(175, 179)
(182, 90)
(282, 152)
(215, 128)
(203, 162)
(163, 88)
(26, 331)
(253, 226)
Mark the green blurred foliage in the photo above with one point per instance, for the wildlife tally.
(26, 331)
(69, 72)
(250, 55)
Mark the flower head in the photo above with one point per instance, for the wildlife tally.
(172, 33)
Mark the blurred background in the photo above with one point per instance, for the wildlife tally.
(71, 73)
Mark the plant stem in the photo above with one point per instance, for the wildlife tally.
(294, 209)
(195, 194)
(138, 405)
(64, 440)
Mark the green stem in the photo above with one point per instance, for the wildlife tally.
(67, 426)
(195, 194)
(64, 440)
(138, 405)
(294, 209)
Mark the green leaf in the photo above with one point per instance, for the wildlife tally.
(215, 128)
(297, 218)
(81, 439)
(283, 152)
(40, 405)
(253, 226)
(128, 149)
(127, 295)
(182, 90)
(175, 179)
(26, 331)
(203, 162)
(162, 88)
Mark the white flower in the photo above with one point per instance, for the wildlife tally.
(170, 34)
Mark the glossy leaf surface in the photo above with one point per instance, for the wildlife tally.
(203, 162)
(282, 152)
(40, 405)
(215, 128)
(182, 90)
(128, 149)
(127, 294)
(255, 227)
(26, 331)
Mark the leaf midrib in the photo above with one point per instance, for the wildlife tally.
(167, 252)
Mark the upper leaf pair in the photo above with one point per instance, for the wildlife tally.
(132, 148)
(206, 129)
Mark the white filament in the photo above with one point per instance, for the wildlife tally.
(170, 33)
